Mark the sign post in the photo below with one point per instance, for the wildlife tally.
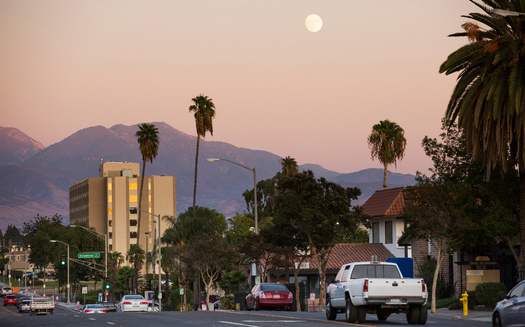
(312, 298)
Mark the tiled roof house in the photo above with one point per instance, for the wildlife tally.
(386, 207)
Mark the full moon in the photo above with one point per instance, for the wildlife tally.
(313, 23)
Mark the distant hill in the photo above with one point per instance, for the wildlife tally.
(15, 146)
(38, 181)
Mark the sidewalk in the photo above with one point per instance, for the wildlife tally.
(473, 315)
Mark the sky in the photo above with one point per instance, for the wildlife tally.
(67, 65)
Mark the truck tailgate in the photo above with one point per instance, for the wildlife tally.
(392, 288)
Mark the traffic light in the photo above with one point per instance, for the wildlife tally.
(63, 259)
(107, 286)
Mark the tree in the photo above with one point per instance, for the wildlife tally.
(289, 166)
(115, 260)
(488, 100)
(204, 112)
(136, 257)
(387, 143)
(210, 254)
(148, 139)
(320, 210)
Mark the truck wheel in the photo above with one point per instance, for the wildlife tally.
(331, 313)
(413, 314)
(423, 313)
(350, 311)
(361, 314)
(383, 315)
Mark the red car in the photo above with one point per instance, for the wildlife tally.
(10, 299)
(270, 296)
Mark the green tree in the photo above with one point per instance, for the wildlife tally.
(387, 143)
(115, 260)
(123, 281)
(148, 139)
(488, 100)
(321, 210)
(136, 257)
(204, 112)
(289, 166)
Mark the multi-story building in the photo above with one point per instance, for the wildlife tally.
(104, 203)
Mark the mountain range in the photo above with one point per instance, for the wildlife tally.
(35, 179)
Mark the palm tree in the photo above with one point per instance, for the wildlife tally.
(148, 139)
(289, 165)
(115, 260)
(135, 256)
(204, 112)
(387, 143)
(488, 100)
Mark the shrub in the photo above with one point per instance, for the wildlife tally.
(488, 293)
(426, 271)
(228, 302)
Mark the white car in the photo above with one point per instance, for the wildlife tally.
(133, 302)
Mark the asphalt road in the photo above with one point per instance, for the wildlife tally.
(9, 316)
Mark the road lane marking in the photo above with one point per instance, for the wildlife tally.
(272, 321)
(236, 324)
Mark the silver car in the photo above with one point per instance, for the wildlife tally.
(511, 310)
(133, 302)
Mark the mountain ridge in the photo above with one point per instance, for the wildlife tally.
(40, 182)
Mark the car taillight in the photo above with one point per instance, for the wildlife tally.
(87, 311)
(103, 311)
(290, 295)
(365, 286)
(143, 302)
(261, 295)
(423, 286)
(126, 303)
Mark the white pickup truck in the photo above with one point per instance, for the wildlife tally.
(378, 288)
(41, 305)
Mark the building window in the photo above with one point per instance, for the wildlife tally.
(132, 186)
(375, 232)
(110, 223)
(110, 211)
(133, 222)
(110, 235)
(388, 232)
(110, 186)
(110, 198)
(110, 247)
(132, 234)
(133, 198)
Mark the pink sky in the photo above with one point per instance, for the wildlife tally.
(67, 65)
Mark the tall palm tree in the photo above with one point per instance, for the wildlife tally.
(289, 166)
(115, 260)
(387, 143)
(204, 112)
(489, 98)
(136, 257)
(148, 139)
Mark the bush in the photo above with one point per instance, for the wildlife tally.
(38, 282)
(426, 271)
(228, 302)
(488, 293)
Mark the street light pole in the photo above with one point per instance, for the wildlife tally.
(254, 186)
(105, 237)
(68, 286)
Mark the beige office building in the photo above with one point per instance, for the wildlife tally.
(102, 202)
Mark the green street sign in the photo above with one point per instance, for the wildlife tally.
(88, 255)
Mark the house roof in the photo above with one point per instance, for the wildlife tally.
(344, 253)
(387, 202)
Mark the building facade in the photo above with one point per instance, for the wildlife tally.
(104, 203)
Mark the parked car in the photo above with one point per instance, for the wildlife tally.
(24, 305)
(94, 308)
(510, 311)
(109, 306)
(10, 299)
(213, 298)
(270, 296)
(152, 307)
(133, 302)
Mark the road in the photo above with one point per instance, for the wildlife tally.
(9, 316)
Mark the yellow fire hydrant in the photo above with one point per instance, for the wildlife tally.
(464, 300)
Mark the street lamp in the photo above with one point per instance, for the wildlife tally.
(160, 267)
(254, 186)
(105, 237)
(68, 286)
